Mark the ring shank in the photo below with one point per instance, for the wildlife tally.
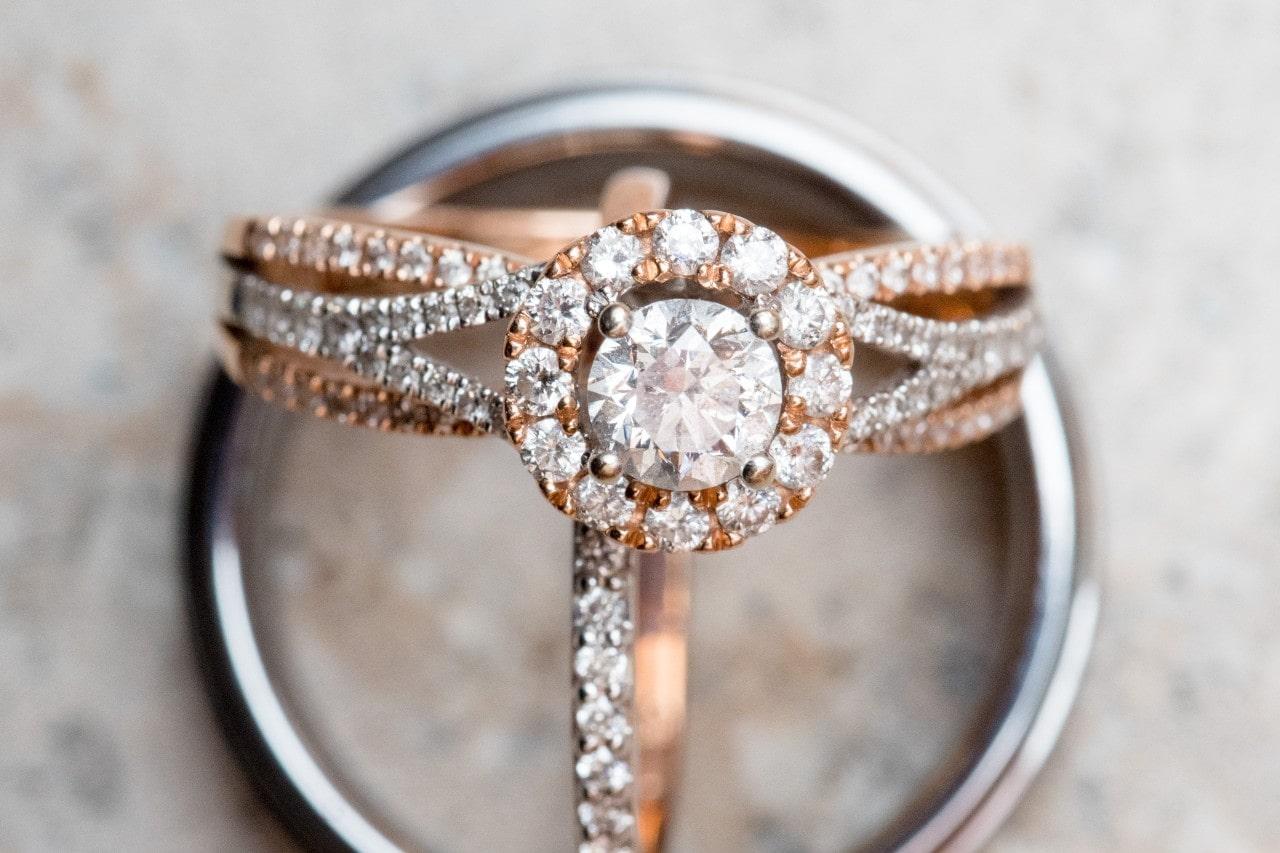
(310, 807)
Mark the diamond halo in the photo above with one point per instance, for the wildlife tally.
(719, 369)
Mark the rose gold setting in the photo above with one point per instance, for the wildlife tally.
(312, 386)
(327, 313)
(888, 273)
(350, 254)
(376, 289)
(982, 413)
(634, 530)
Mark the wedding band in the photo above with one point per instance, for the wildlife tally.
(320, 332)
(791, 322)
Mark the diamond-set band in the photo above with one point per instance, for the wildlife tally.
(915, 269)
(678, 380)
(362, 254)
(970, 419)
(604, 684)
(370, 336)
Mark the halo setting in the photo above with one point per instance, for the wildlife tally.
(686, 401)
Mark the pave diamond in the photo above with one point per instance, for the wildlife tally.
(490, 268)
(603, 504)
(453, 268)
(607, 668)
(825, 385)
(379, 257)
(345, 249)
(802, 458)
(602, 722)
(551, 452)
(863, 280)
(748, 510)
(757, 261)
(686, 240)
(414, 263)
(895, 273)
(536, 383)
(686, 396)
(679, 526)
(557, 307)
(926, 270)
(808, 314)
(611, 256)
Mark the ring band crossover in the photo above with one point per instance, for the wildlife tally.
(674, 380)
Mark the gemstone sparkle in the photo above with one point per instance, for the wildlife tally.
(686, 396)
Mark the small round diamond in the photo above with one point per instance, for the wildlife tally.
(952, 269)
(453, 269)
(825, 386)
(926, 269)
(551, 452)
(379, 257)
(611, 256)
(605, 666)
(558, 309)
(600, 772)
(490, 268)
(802, 458)
(345, 249)
(894, 276)
(832, 281)
(686, 240)
(747, 510)
(536, 383)
(600, 613)
(679, 526)
(341, 337)
(315, 247)
(863, 280)
(414, 263)
(808, 315)
(603, 505)
(601, 722)
(757, 262)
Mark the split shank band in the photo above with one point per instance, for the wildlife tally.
(677, 380)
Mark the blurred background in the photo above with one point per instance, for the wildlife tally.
(1132, 144)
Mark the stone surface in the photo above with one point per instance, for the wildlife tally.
(686, 396)
(550, 452)
(1131, 143)
(825, 385)
(536, 382)
(757, 262)
(686, 240)
(611, 256)
(557, 307)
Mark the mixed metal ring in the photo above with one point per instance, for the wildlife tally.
(678, 380)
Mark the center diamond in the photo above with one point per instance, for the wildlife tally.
(686, 396)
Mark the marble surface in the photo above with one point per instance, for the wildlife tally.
(1132, 144)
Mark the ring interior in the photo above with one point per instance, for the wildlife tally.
(847, 670)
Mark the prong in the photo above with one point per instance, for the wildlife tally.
(514, 347)
(614, 320)
(766, 324)
(647, 271)
(567, 414)
(758, 470)
(605, 467)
